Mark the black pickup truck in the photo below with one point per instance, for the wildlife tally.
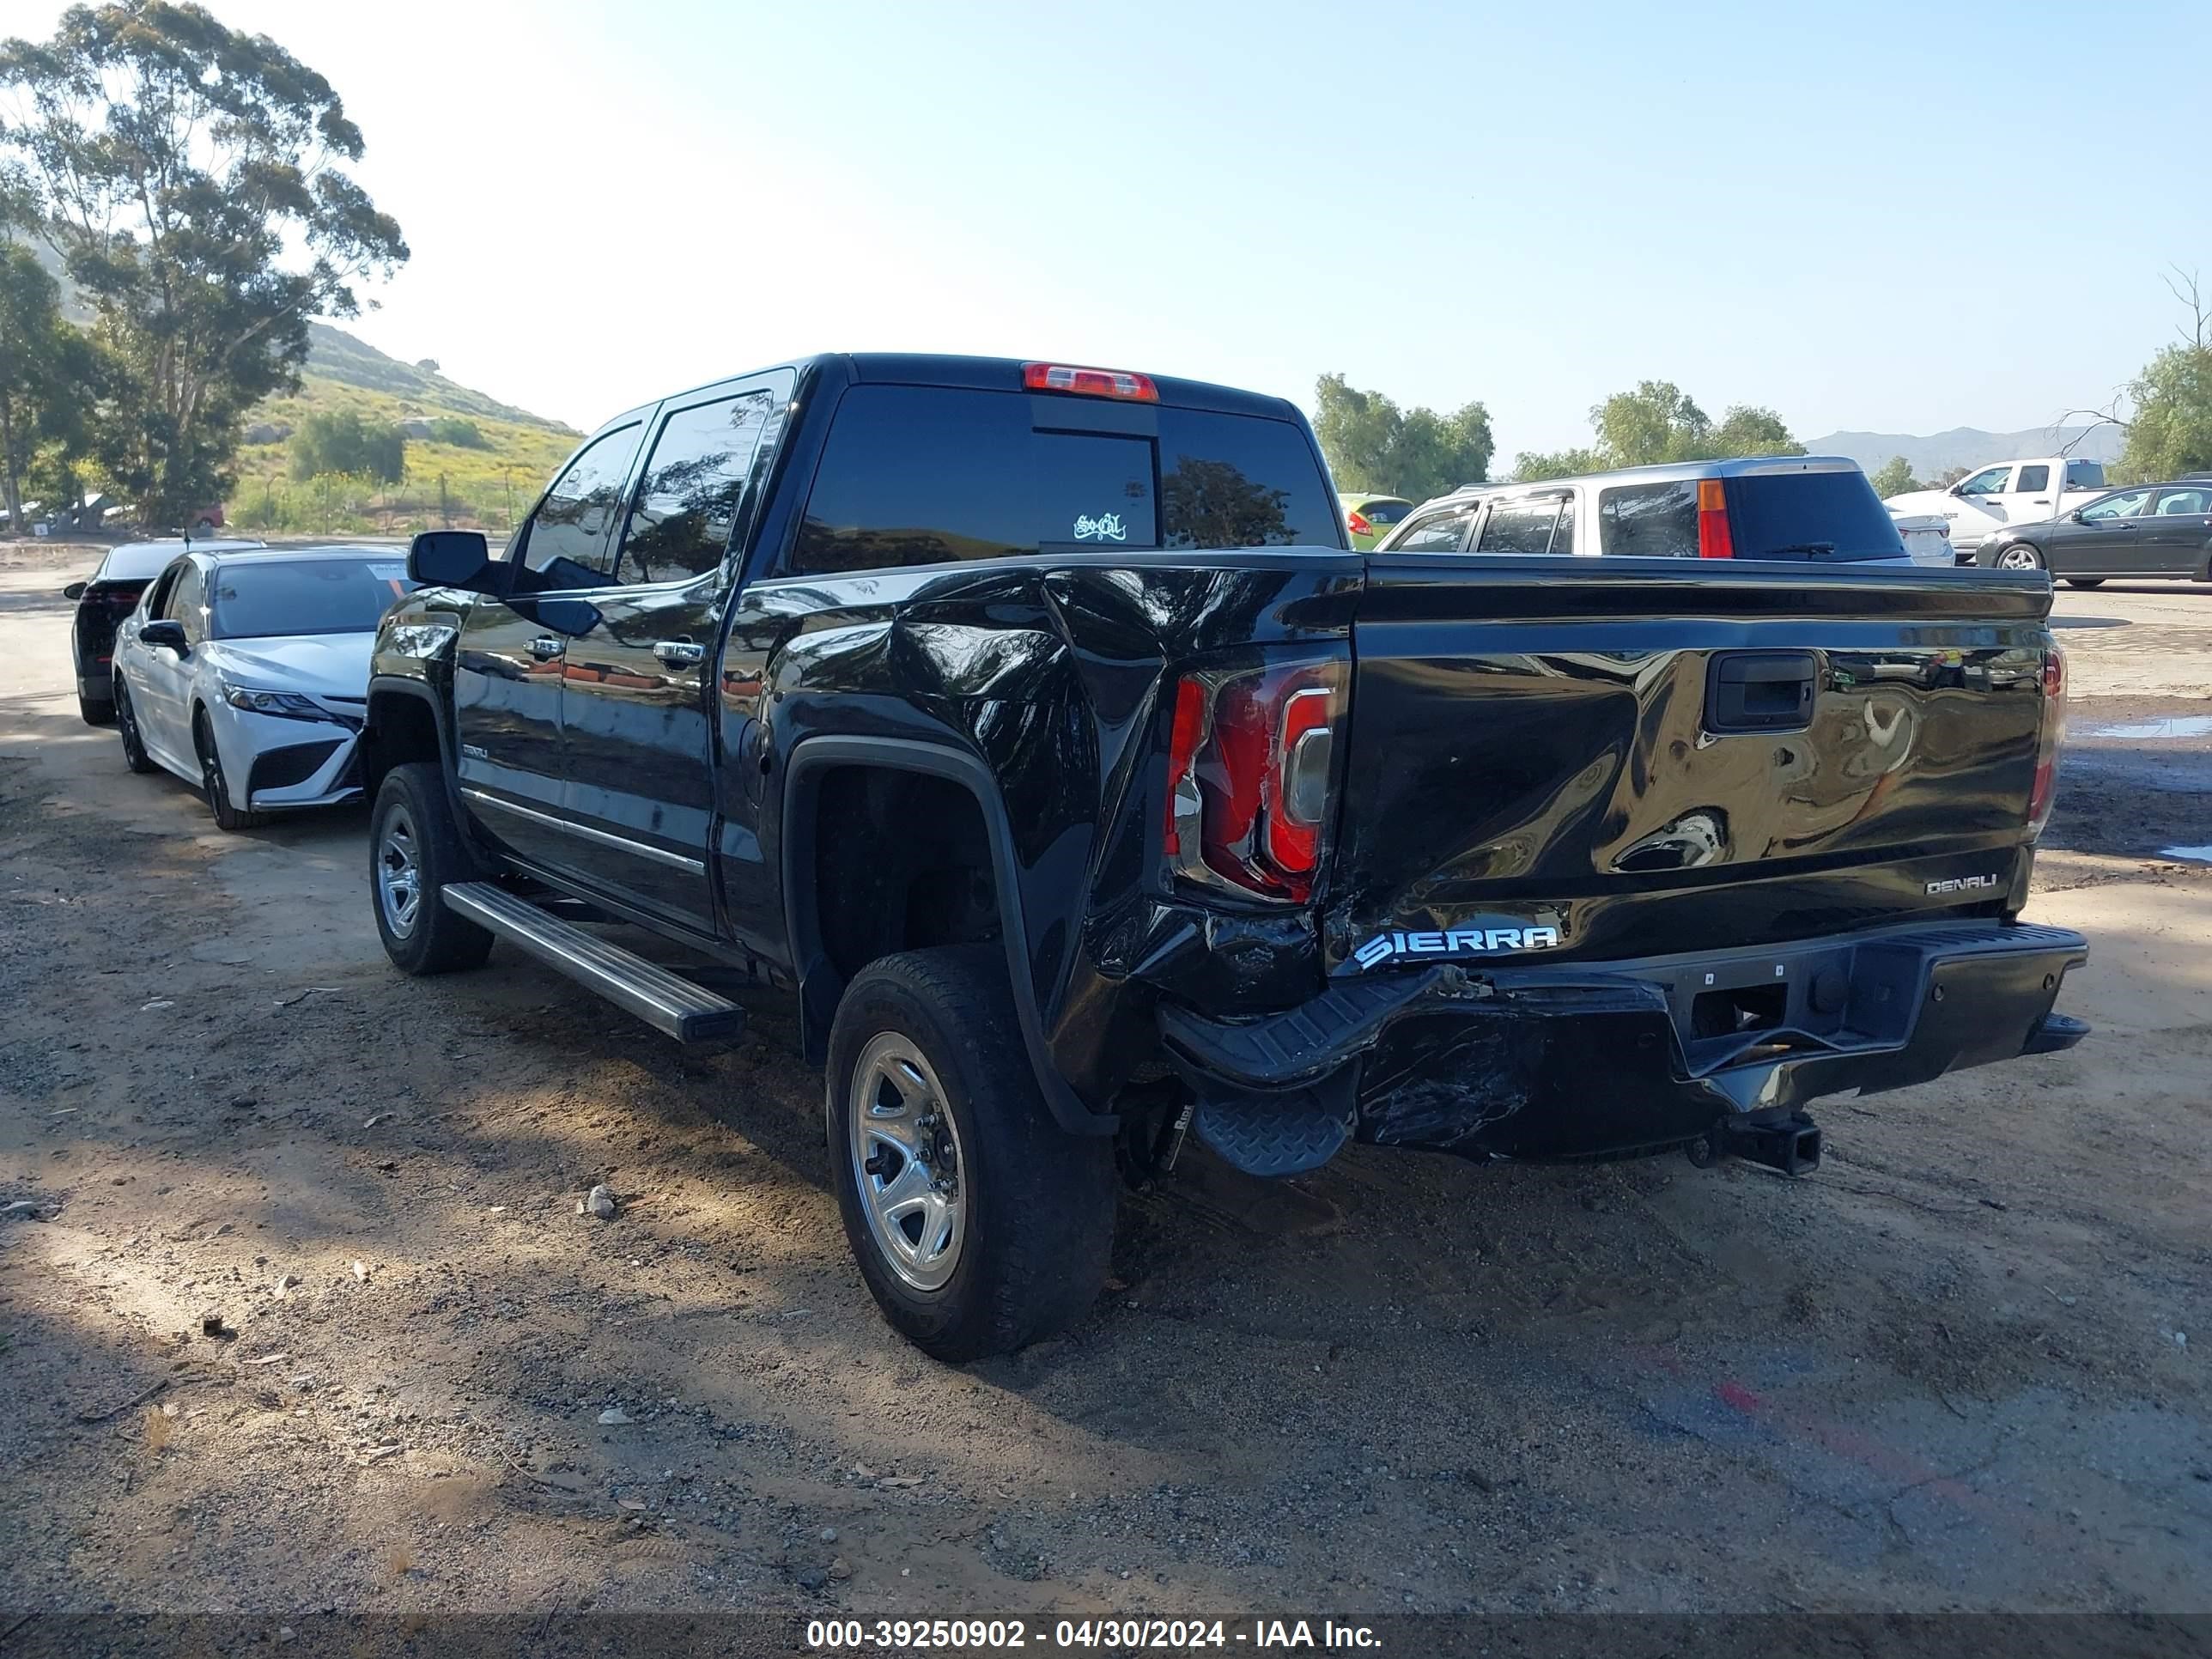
(1036, 728)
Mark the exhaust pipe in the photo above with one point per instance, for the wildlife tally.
(1790, 1147)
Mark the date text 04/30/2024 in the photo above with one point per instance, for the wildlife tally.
(1108, 1635)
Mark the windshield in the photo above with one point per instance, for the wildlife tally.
(251, 601)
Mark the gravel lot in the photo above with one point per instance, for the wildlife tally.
(1963, 1366)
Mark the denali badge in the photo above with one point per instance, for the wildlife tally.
(1960, 884)
(1486, 941)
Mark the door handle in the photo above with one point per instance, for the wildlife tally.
(545, 647)
(679, 653)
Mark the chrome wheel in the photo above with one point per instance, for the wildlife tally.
(398, 873)
(906, 1161)
(2019, 558)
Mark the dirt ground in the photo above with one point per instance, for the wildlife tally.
(1962, 1366)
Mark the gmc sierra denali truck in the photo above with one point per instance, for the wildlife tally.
(1034, 728)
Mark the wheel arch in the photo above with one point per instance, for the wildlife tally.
(403, 721)
(821, 984)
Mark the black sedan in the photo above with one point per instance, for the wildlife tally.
(2144, 530)
(110, 595)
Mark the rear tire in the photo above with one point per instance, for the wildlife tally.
(415, 848)
(95, 714)
(2019, 557)
(2084, 581)
(926, 1053)
(126, 726)
(215, 787)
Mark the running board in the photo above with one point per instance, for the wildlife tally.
(666, 1001)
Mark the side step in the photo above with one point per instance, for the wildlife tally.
(666, 1001)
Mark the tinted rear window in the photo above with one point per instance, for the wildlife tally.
(920, 475)
(1779, 515)
(135, 564)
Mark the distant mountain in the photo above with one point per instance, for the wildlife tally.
(1967, 446)
(335, 354)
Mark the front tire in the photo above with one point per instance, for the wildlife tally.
(2019, 557)
(126, 726)
(415, 849)
(979, 1223)
(215, 787)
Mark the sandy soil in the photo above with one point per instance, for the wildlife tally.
(1963, 1366)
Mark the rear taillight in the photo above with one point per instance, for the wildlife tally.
(1089, 382)
(1714, 539)
(1251, 761)
(1358, 523)
(2049, 737)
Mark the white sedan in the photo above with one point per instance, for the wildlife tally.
(246, 673)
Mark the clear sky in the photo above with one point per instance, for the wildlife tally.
(1899, 217)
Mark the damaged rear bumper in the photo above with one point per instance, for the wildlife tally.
(1597, 1060)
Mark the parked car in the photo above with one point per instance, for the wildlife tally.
(2143, 530)
(246, 673)
(1796, 506)
(1035, 729)
(1368, 517)
(2008, 494)
(1927, 539)
(104, 599)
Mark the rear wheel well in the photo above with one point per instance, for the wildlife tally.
(399, 728)
(901, 861)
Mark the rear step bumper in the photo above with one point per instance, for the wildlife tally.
(1602, 1060)
(664, 1000)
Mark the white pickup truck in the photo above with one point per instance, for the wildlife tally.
(2011, 492)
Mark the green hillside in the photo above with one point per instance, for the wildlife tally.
(446, 484)
(334, 354)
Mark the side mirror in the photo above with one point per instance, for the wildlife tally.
(170, 633)
(449, 558)
(1956, 489)
(2076, 516)
(75, 590)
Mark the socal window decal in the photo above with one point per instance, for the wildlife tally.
(1106, 527)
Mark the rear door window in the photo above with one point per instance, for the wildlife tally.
(2033, 478)
(1440, 532)
(1522, 526)
(2174, 503)
(687, 499)
(925, 475)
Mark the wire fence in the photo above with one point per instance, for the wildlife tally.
(337, 503)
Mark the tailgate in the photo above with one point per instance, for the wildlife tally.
(1602, 758)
